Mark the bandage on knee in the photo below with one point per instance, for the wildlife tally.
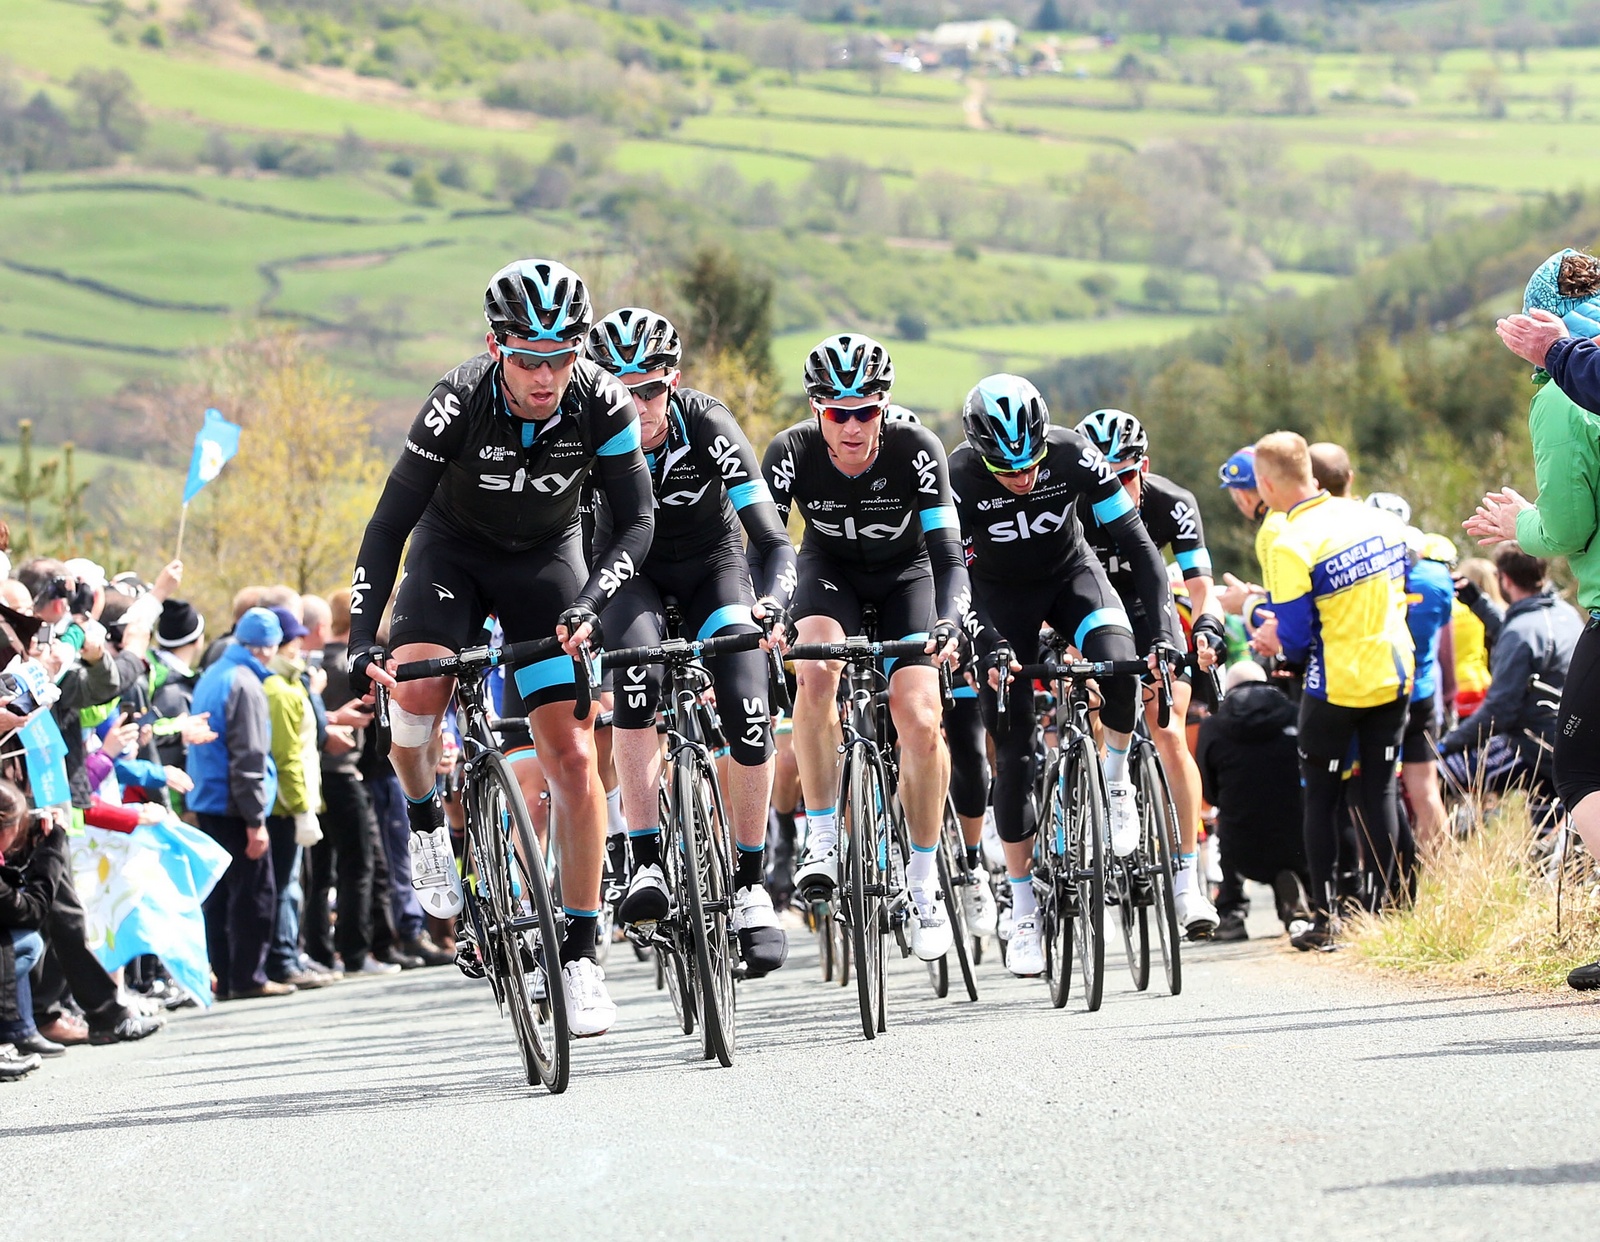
(410, 730)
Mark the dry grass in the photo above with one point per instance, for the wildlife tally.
(1485, 914)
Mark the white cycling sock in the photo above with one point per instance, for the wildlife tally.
(822, 830)
(615, 826)
(921, 869)
(1116, 763)
(1023, 902)
(1183, 880)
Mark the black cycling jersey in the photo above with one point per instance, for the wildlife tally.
(883, 519)
(1037, 538)
(706, 484)
(491, 479)
(1172, 517)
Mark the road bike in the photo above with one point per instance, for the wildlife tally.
(509, 915)
(697, 948)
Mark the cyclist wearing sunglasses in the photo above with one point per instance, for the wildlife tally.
(1017, 482)
(1172, 517)
(707, 485)
(880, 529)
(489, 482)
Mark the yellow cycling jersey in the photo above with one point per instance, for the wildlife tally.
(1266, 535)
(1472, 653)
(1338, 573)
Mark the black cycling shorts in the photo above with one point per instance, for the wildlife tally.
(1420, 742)
(1578, 722)
(904, 598)
(714, 596)
(451, 584)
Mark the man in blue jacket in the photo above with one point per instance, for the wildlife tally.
(235, 786)
(1507, 741)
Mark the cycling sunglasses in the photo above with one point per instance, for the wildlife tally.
(533, 359)
(844, 413)
(650, 389)
(1001, 473)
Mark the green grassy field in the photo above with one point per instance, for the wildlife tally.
(155, 273)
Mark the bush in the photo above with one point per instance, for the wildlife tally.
(153, 36)
(425, 189)
(910, 326)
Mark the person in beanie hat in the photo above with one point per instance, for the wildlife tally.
(180, 637)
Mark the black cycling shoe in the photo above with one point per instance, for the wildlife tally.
(646, 901)
(1231, 927)
(1585, 978)
(1319, 936)
(763, 945)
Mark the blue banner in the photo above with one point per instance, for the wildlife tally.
(46, 752)
(214, 446)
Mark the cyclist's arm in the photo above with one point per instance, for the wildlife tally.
(434, 436)
(772, 557)
(941, 532)
(1121, 521)
(624, 479)
(1292, 603)
(1194, 559)
(778, 467)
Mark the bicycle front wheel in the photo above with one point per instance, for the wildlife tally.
(1157, 846)
(1058, 902)
(950, 871)
(1087, 835)
(708, 898)
(528, 936)
(869, 864)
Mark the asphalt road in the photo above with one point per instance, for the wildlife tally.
(1281, 1096)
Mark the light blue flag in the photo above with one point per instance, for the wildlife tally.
(142, 893)
(46, 752)
(214, 446)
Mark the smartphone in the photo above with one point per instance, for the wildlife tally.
(314, 658)
(21, 696)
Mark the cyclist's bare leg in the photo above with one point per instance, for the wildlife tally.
(638, 762)
(816, 715)
(566, 751)
(924, 761)
(524, 761)
(421, 701)
(786, 777)
(1172, 744)
(971, 830)
(749, 790)
(1427, 807)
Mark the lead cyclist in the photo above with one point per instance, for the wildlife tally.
(487, 488)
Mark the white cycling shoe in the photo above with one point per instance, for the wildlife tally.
(1025, 950)
(977, 905)
(590, 1009)
(928, 926)
(818, 872)
(1196, 915)
(647, 900)
(1124, 815)
(434, 874)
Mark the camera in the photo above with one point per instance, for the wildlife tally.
(28, 686)
(79, 597)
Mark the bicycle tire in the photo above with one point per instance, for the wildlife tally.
(675, 960)
(1089, 870)
(866, 913)
(705, 923)
(512, 851)
(819, 916)
(1163, 878)
(1130, 876)
(968, 944)
(1059, 898)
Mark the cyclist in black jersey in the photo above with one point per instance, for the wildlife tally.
(1017, 483)
(487, 488)
(880, 529)
(1172, 517)
(706, 485)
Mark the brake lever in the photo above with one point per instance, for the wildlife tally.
(380, 705)
(584, 679)
(780, 684)
(947, 699)
(1164, 707)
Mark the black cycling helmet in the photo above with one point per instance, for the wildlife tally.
(1117, 434)
(1007, 422)
(538, 300)
(633, 341)
(848, 365)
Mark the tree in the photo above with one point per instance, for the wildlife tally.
(27, 484)
(108, 106)
(292, 505)
(730, 309)
(1048, 18)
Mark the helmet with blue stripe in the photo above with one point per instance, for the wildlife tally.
(1007, 422)
(1239, 471)
(537, 300)
(634, 341)
(848, 365)
(1118, 435)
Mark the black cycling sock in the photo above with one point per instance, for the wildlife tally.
(426, 815)
(751, 868)
(580, 938)
(974, 857)
(646, 849)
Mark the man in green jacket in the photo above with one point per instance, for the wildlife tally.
(293, 822)
(1564, 522)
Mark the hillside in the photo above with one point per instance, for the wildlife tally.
(356, 167)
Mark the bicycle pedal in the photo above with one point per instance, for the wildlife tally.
(467, 960)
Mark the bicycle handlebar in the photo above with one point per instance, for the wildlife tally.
(858, 649)
(680, 649)
(481, 659)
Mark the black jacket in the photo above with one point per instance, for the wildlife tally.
(1250, 771)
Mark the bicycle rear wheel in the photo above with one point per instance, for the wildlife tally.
(1129, 877)
(1157, 846)
(1087, 834)
(955, 905)
(707, 893)
(527, 936)
(1059, 901)
(675, 958)
(864, 901)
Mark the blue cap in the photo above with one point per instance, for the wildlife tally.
(289, 623)
(259, 628)
(1240, 469)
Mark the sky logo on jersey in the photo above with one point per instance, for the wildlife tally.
(552, 484)
(614, 575)
(1024, 527)
(783, 472)
(358, 591)
(872, 530)
(442, 413)
(726, 454)
(685, 497)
